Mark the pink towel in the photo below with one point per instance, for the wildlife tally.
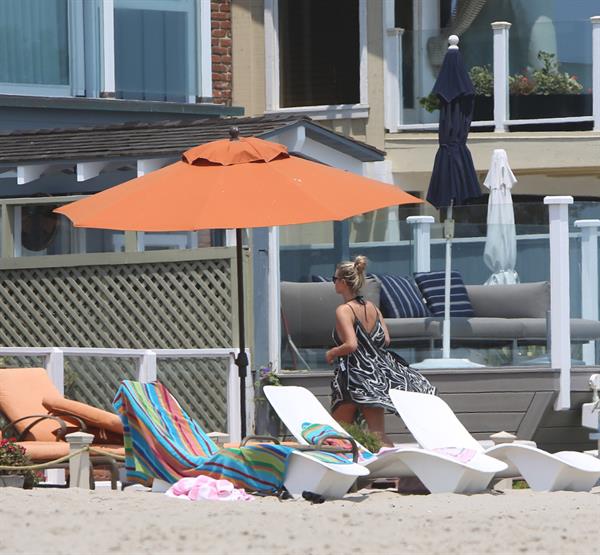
(207, 488)
(459, 453)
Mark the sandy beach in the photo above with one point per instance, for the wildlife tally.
(381, 521)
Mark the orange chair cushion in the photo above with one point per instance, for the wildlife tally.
(92, 416)
(43, 451)
(21, 394)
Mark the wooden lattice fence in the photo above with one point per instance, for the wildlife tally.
(170, 300)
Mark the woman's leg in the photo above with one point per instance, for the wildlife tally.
(344, 412)
(375, 418)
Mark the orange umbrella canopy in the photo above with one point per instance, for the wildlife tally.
(239, 183)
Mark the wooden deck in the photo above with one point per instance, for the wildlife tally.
(489, 400)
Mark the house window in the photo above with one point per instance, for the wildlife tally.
(155, 49)
(34, 46)
(316, 55)
(319, 52)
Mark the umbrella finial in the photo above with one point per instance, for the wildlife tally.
(453, 41)
(234, 134)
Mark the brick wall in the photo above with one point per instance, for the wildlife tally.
(221, 51)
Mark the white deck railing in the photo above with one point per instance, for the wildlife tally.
(148, 371)
(502, 119)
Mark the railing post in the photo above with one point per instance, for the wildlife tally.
(596, 71)
(55, 366)
(501, 32)
(421, 242)
(147, 369)
(560, 313)
(393, 98)
(79, 465)
(589, 280)
(234, 424)
(274, 300)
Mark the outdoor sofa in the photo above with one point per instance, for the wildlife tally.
(501, 314)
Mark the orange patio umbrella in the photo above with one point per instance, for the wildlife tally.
(234, 184)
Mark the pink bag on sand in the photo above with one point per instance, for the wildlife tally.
(205, 488)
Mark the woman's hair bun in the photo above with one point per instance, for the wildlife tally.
(360, 263)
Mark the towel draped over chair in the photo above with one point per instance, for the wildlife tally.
(162, 441)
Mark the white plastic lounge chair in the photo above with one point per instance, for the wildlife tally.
(439, 472)
(434, 425)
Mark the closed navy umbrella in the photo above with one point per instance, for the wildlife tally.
(453, 179)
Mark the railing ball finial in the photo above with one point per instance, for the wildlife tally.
(453, 42)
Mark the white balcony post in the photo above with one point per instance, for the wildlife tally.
(421, 242)
(107, 49)
(392, 77)
(596, 71)
(501, 31)
(55, 366)
(589, 280)
(147, 369)
(560, 313)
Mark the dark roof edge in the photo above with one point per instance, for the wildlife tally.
(117, 105)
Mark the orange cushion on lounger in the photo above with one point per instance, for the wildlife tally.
(42, 451)
(92, 416)
(21, 392)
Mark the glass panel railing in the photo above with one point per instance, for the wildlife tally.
(504, 331)
(550, 73)
(427, 49)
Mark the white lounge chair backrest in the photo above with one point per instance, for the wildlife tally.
(296, 405)
(432, 422)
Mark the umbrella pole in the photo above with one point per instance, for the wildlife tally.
(448, 234)
(242, 359)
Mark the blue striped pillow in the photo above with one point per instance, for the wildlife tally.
(431, 285)
(399, 298)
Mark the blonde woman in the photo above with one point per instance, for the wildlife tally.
(364, 369)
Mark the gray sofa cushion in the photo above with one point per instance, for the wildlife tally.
(485, 328)
(405, 329)
(581, 330)
(309, 310)
(523, 300)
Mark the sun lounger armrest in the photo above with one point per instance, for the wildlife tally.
(352, 441)
(261, 439)
(320, 446)
(38, 418)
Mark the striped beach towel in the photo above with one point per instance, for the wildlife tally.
(162, 441)
(313, 433)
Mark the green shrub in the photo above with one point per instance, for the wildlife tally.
(365, 437)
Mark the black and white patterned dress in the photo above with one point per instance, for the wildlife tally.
(365, 376)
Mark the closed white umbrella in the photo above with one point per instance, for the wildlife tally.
(500, 253)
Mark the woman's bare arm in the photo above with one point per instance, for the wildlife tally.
(344, 325)
(385, 328)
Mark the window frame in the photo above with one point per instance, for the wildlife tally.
(199, 64)
(272, 85)
(76, 85)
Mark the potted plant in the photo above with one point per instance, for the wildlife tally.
(12, 454)
(547, 92)
(267, 421)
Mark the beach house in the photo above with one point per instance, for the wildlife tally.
(119, 88)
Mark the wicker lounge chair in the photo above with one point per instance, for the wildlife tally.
(39, 417)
